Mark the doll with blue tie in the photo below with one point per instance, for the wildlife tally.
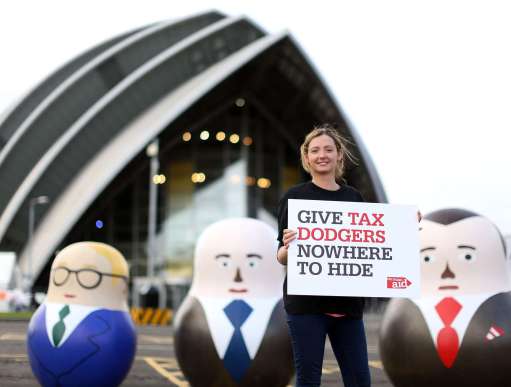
(83, 334)
(231, 327)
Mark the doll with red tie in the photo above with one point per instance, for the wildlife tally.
(459, 332)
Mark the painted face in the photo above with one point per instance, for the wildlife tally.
(322, 155)
(236, 258)
(464, 257)
(83, 274)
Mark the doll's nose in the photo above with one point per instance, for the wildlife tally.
(448, 273)
(237, 277)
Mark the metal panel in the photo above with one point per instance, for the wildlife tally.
(95, 176)
(54, 116)
(22, 109)
(123, 103)
(97, 146)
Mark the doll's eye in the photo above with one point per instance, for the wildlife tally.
(428, 258)
(467, 256)
(253, 260)
(224, 262)
(253, 263)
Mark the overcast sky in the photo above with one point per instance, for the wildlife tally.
(426, 84)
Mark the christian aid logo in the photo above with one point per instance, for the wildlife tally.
(398, 282)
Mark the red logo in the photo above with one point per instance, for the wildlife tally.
(398, 282)
(494, 332)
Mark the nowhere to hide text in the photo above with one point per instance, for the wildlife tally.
(353, 249)
(338, 234)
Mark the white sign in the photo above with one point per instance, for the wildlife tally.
(353, 249)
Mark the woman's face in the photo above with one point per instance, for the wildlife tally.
(323, 156)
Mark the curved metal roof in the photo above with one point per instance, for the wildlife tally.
(53, 119)
(104, 114)
(26, 105)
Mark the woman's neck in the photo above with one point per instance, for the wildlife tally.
(326, 182)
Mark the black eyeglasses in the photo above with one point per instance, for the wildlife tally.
(87, 278)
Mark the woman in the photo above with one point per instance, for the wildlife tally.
(312, 318)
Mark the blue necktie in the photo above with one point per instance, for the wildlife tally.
(236, 359)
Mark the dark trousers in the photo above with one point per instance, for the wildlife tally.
(347, 337)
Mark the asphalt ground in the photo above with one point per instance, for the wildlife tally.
(155, 363)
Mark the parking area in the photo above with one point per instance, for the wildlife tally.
(155, 363)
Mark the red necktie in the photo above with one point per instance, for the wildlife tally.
(447, 343)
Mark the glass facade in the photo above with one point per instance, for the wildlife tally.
(232, 163)
(231, 107)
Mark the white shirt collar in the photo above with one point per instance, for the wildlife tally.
(469, 303)
(77, 313)
(253, 328)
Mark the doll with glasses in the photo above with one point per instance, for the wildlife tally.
(83, 334)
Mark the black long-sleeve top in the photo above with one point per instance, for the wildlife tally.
(352, 307)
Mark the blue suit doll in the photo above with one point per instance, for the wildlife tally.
(83, 334)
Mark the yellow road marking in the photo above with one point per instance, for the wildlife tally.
(166, 374)
(13, 336)
(376, 364)
(158, 359)
(146, 338)
(156, 339)
(14, 356)
(330, 366)
(24, 355)
(167, 364)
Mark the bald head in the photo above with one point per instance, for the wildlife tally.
(462, 253)
(453, 215)
(90, 274)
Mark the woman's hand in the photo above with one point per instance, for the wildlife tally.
(287, 238)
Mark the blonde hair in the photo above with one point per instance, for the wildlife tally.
(340, 143)
(116, 259)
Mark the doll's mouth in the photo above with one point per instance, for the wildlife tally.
(238, 290)
(69, 295)
(448, 287)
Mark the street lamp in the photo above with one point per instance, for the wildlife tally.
(152, 152)
(43, 199)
